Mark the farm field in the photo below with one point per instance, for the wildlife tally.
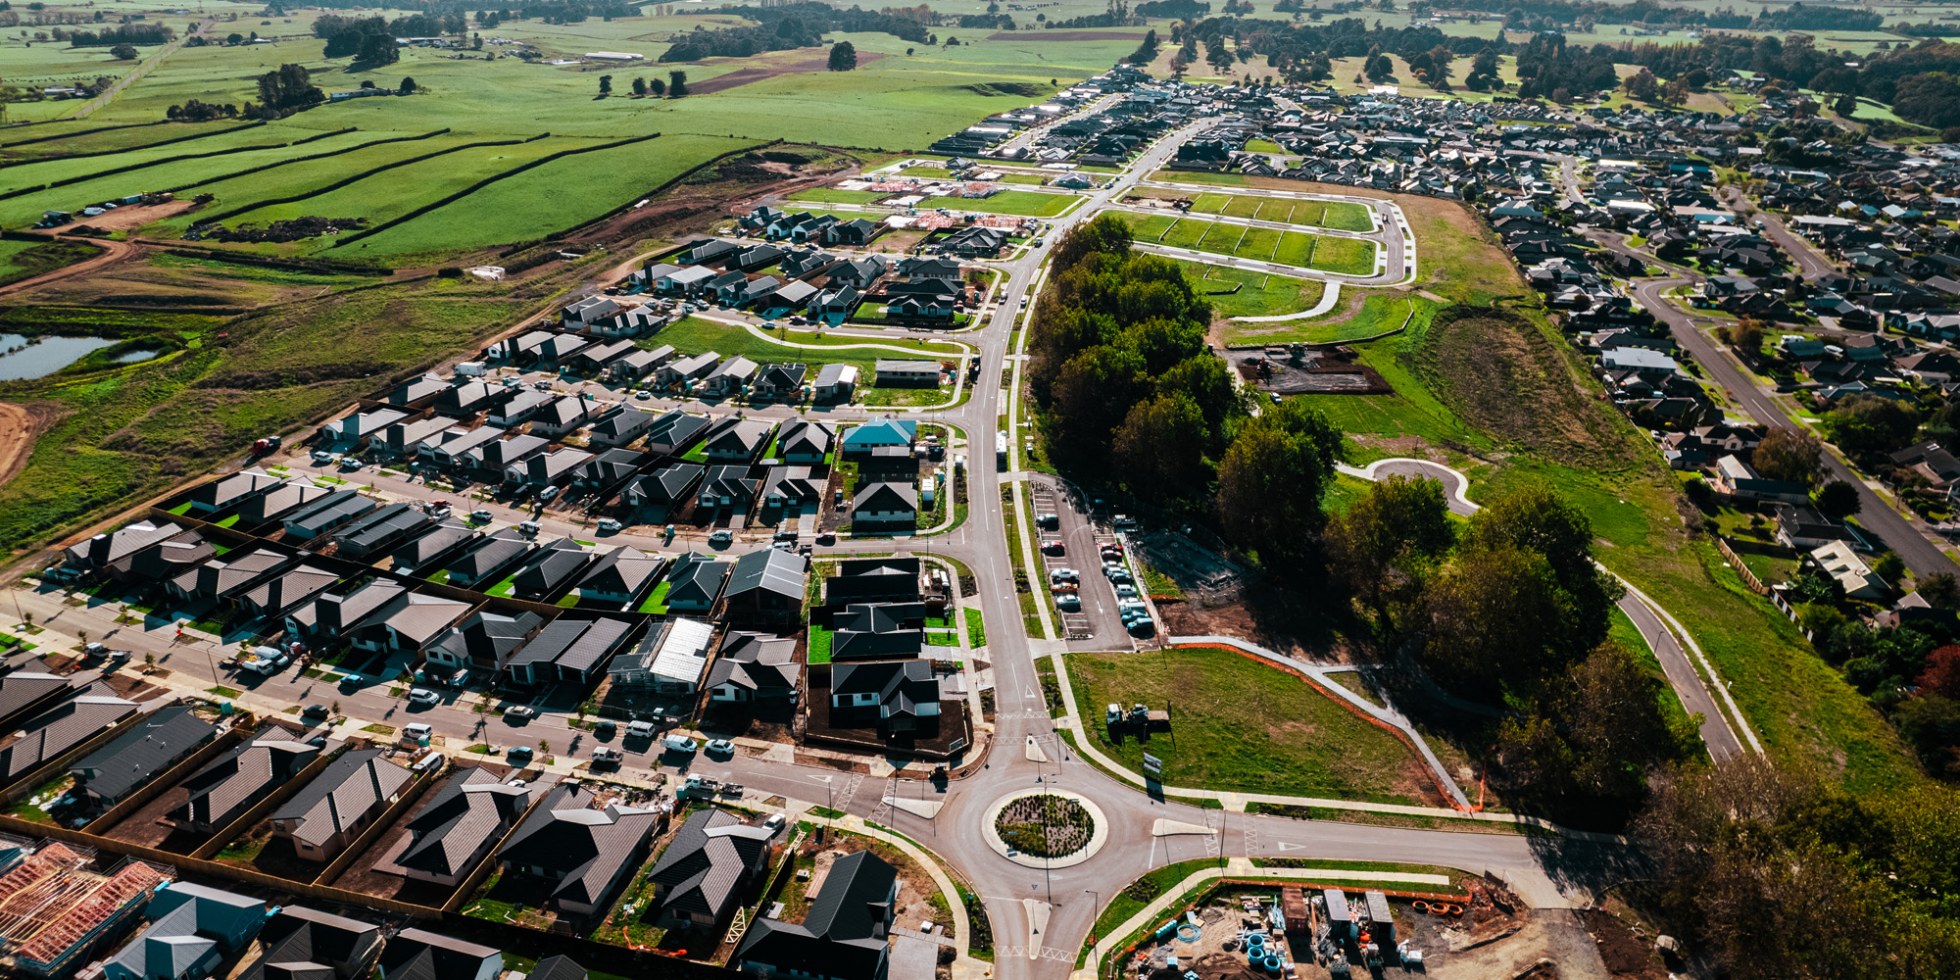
(1239, 724)
(25, 259)
(1347, 256)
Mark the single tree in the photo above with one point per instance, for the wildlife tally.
(605, 85)
(843, 56)
(639, 87)
(656, 87)
(1789, 454)
(124, 52)
(676, 84)
(1838, 500)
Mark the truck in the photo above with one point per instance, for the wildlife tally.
(471, 369)
(698, 786)
(269, 444)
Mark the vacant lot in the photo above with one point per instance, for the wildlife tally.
(1239, 724)
(1341, 215)
(1238, 292)
(1347, 256)
(1036, 204)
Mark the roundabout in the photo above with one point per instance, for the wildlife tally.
(1045, 828)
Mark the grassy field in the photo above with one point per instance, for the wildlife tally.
(1238, 292)
(1348, 256)
(694, 335)
(1033, 204)
(1339, 215)
(1241, 725)
(25, 260)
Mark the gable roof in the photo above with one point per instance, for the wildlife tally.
(45, 736)
(341, 795)
(469, 813)
(768, 570)
(842, 934)
(229, 784)
(301, 943)
(710, 858)
(143, 752)
(583, 849)
(416, 954)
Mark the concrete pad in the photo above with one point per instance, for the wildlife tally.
(779, 753)
(1037, 924)
(1034, 751)
(1172, 828)
(918, 808)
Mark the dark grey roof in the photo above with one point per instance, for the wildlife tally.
(61, 728)
(574, 644)
(697, 578)
(584, 850)
(344, 793)
(327, 512)
(462, 820)
(143, 752)
(709, 860)
(842, 935)
(622, 571)
(235, 780)
(550, 569)
(431, 546)
(487, 637)
(381, 528)
(23, 689)
(306, 944)
(560, 967)
(770, 569)
(416, 954)
(490, 554)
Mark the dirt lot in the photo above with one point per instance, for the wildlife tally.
(20, 425)
(744, 76)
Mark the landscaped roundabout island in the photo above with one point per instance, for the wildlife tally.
(1046, 828)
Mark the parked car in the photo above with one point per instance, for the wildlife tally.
(608, 525)
(415, 732)
(480, 516)
(1064, 575)
(1068, 602)
(519, 754)
(547, 495)
(603, 756)
(314, 711)
(720, 746)
(522, 712)
(640, 729)
(721, 539)
(528, 528)
(423, 696)
(681, 744)
(775, 822)
(1053, 546)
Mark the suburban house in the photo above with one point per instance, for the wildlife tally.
(1734, 478)
(754, 667)
(873, 580)
(779, 381)
(859, 273)
(300, 943)
(885, 506)
(765, 589)
(1853, 577)
(906, 374)
(897, 694)
(844, 932)
(739, 441)
(861, 441)
(710, 867)
(561, 418)
(430, 551)
(652, 497)
(144, 752)
(482, 641)
(416, 954)
(728, 489)
(372, 534)
(322, 516)
(334, 807)
(115, 554)
(668, 662)
(674, 431)
(730, 379)
(27, 692)
(580, 855)
(406, 624)
(227, 492)
(66, 726)
(487, 561)
(230, 784)
(571, 648)
(619, 427)
(550, 571)
(878, 631)
(620, 576)
(458, 826)
(835, 383)
(192, 929)
(685, 370)
(805, 443)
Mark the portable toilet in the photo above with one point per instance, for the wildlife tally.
(1381, 922)
(1340, 921)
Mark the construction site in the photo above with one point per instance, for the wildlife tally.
(1261, 930)
(55, 904)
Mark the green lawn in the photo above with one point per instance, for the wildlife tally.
(832, 195)
(1347, 256)
(1241, 725)
(1340, 215)
(818, 647)
(1240, 292)
(976, 627)
(1378, 313)
(694, 335)
(1034, 204)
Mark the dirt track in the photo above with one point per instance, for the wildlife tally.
(20, 425)
(113, 252)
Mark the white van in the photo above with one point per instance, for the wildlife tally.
(680, 743)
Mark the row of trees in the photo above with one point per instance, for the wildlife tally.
(123, 34)
(792, 25)
(674, 87)
(370, 41)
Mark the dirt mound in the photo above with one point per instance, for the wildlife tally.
(20, 425)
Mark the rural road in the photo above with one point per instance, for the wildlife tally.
(112, 252)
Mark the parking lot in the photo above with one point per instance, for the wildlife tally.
(1098, 622)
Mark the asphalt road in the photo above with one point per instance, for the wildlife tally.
(1545, 872)
(1875, 514)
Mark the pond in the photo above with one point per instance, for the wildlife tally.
(22, 357)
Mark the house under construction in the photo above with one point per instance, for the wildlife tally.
(54, 906)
